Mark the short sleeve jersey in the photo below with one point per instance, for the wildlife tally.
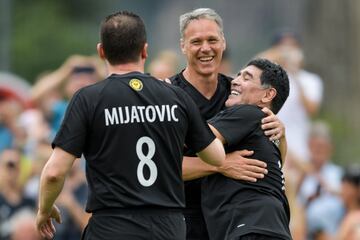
(131, 129)
(259, 207)
(208, 109)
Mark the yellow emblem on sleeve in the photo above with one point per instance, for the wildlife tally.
(136, 84)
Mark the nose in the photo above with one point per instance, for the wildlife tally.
(205, 46)
(236, 81)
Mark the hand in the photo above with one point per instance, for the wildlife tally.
(272, 126)
(238, 167)
(44, 223)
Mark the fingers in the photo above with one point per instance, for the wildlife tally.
(47, 231)
(270, 125)
(56, 214)
(252, 176)
(238, 158)
(267, 111)
(245, 153)
(57, 218)
(255, 165)
(271, 132)
(256, 171)
(245, 175)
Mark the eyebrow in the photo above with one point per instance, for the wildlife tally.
(244, 72)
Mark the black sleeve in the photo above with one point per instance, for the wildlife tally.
(71, 136)
(199, 135)
(235, 123)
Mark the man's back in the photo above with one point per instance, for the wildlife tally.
(131, 129)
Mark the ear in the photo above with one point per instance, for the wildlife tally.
(224, 46)
(270, 94)
(100, 50)
(182, 46)
(144, 52)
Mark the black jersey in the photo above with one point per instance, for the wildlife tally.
(243, 207)
(208, 108)
(131, 129)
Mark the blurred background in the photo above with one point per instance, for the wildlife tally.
(46, 43)
(38, 36)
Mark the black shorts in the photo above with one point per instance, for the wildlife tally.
(136, 225)
(256, 236)
(195, 225)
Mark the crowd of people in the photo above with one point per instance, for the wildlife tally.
(323, 197)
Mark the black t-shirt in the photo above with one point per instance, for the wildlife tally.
(131, 129)
(8, 212)
(208, 108)
(242, 206)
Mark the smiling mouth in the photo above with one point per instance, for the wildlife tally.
(206, 59)
(234, 93)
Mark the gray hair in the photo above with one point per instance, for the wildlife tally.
(200, 13)
(321, 129)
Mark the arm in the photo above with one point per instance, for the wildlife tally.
(235, 165)
(283, 148)
(311, 106)
(213, 154)
(56, 78)
(51, 183)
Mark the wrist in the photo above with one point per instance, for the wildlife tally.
(43, 211)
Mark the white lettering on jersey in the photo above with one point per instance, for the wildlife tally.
(140, 114)
(110, 118)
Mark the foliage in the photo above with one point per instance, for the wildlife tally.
(45, 33)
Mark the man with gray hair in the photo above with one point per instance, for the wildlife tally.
(203, 43)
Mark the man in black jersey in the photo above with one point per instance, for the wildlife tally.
(243, 210)
(131, 129)
(203, 42)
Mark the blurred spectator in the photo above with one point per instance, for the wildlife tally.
(38, 132)
(320, 189)
(52, 91)
(23, 226)
(164, 65)
(11, 196)
(40, 154)
(350, 194)
(297, 217)
(306, 91)
(15, 87)
(71, 202)
(10, 108)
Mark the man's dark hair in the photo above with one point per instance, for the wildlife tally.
(273, 75)
(123, 36)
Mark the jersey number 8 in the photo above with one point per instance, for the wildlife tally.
(146, 160)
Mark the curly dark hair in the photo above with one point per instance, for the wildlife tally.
(123, 36)
(275, 76)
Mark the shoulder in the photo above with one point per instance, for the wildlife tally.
(93, 88)
(245, 110)
(223, 77)
(178, 80)
(224, 80)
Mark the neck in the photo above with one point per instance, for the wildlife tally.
(126, 68)
(205, 84)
